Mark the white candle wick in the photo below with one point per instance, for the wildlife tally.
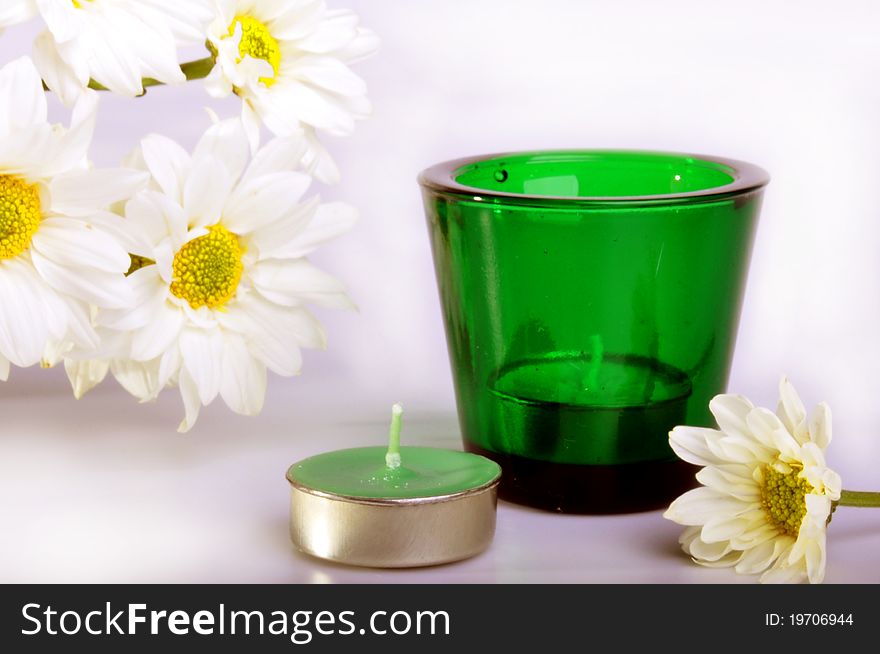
(392, 456)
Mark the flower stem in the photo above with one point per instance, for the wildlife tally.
(197, 69)
(859, 498)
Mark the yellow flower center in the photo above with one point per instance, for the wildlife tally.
(258, 42)
(206, 271)
(20, 213)
(783, 497)
(78, 3)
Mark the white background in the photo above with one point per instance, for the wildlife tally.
(104, 489)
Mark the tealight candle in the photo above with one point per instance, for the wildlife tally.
(396, 507)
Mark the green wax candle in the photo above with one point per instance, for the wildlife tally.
(423, 472)
(393, 508)
(396, 472)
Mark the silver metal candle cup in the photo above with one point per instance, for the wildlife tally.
(392, 533)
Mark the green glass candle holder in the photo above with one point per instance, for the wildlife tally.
(591, 302)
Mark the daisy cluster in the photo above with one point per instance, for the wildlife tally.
(177, 269)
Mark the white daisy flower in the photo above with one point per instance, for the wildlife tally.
(58, 252)
(116, 43)
(221, 279)
(288, 61)
(767, 494)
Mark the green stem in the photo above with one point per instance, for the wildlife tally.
(859, 498)
(197, 69)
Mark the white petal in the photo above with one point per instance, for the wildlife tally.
(85, 375)
(62, 18)
(151, 341)
(832, 483)
(290, 282)
(759, 558)
(4, 368)
(22, 100)
(710, 555)
(202, 352)
(306, 328)
(158, 217)
(59, 77)
(279, 154)
(726, 527)
(226, 142)
(244, 379)
(702, 505)
(336, 30)
(812, 457)
(113, 64)
(126, 233)
(189, 392)
(735, 449)
(820, 426)
(280, 234)
(186, 20)
(815, 558)
(27, 151)
(169, 366)
(365, 44)
(768, 429)
(791, 411)
(818, 507)
(730, 413)
(729, 483)
(809, 549)
(299, 21)
(23, 328)
(99, 288)
(318, 162)
(83, 193)
(270, 338)
(263, 201)
(139, 379)
(168, 163)
(327, 73)
(294, 241)
(757, 532)
(13, 12)
(250, 71)
(293, 101)
(727, 561)
(77, 243)
(690, 444)
(71, 146)
(205, 192)
(150, 42)
(149, 293)
(249, 118)
(783, 573)
(70, 321)
(218, 85)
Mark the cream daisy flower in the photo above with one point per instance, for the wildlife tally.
(58, 252)
(288, 61)
(116, 43)
(767, 494)
(220, 275)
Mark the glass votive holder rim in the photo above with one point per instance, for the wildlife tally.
(742, 178)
